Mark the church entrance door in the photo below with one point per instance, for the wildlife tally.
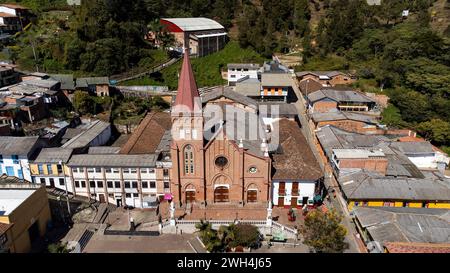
(221, 195)
(190, 196)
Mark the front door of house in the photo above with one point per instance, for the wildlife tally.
(281, 201)
(119, 202)
(102, 198)
(221, 195)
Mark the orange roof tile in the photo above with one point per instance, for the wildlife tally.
(410, 247)
(146, 138)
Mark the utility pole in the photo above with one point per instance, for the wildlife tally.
(65, 183)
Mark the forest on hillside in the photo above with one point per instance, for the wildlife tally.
(402, 56)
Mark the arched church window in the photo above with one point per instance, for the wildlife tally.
(188, 160)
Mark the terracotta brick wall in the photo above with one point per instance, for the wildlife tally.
(349, 125)
(324, 106)
(340, 80)
(371, 164)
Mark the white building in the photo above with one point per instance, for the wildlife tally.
(423, 155)
(15, 153)
(96, 133)
(238, 72)
(49, 168)
(297, 177)
(292, 193)
(121, 179)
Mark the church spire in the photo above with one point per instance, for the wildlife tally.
(187, 96)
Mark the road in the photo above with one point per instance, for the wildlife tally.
(127, 76)
(308, 132)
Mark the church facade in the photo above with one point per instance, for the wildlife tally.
(216, 160)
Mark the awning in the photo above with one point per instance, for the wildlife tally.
(168, 196)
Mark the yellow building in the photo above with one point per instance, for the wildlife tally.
(50, 169)
(25, 209)
(363, 189)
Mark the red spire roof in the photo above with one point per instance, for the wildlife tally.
(187, 88)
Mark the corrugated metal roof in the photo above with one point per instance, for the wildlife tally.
(414, 147)
(104, 150)
(195, 24)
(66, 80)
(338, 115)
(17, 145)
(276, 79)
(113, 160)
(243, 66)
(405, 224)
(53, 155)
(85, 82)
(339, 96)
(82, 140)
(225, 92)
(369, 186)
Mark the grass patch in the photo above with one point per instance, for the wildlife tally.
(207, 69)
(367, 85)
(330, 62)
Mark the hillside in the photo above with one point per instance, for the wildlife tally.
(207, 69)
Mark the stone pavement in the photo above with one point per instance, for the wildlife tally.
(166, 243)
(119, 219)
(224, 212)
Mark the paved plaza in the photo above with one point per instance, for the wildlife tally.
(166, 243)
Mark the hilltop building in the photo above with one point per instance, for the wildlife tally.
(202, 36)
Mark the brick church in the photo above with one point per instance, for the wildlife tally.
(219, 148)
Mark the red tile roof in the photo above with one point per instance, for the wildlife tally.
(297, 160)
(14, 6)
(187, 87)
(418, 139)
(407, 247)
(148, 135)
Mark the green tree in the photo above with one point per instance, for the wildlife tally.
(83, 102)
(324, 231)
(58, 248)
(435, 130)
(244, 235)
